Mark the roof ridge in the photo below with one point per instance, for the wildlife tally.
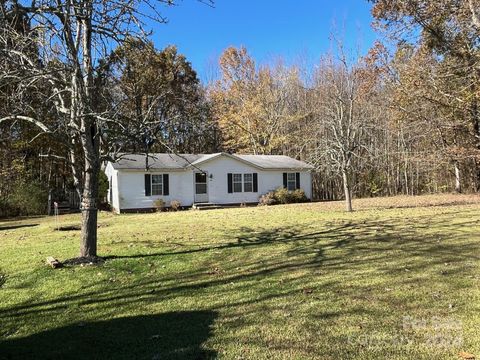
(185, 161)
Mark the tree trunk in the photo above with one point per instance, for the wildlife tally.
(476, 182)
(91, 146)
(405, 177)
(49, 202)
(77, 178)
(458, 184)
(346, 191)
(89, 211)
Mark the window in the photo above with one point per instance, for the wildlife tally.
(248, 182)
(291, 181)
(157, 185)
(237, 182)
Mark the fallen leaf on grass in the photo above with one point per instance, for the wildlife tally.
(214, 271)
(467, 356)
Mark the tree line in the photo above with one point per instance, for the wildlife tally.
(403, 119)
(80, 83)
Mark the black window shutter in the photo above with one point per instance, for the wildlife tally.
(148, 186)
(230, 183)
(285, 185)
(255, 182)
(166, 188)
(297, 176)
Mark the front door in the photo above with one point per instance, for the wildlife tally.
(201, 187)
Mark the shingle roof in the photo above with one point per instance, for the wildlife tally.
(156, 161)
(275, 162)
(183, 161)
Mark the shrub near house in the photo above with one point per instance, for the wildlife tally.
(283, 196)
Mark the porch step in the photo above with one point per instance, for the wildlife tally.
(206, 206)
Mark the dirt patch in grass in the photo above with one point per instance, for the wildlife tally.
(75, 227)
(84, 261)
(69, 228)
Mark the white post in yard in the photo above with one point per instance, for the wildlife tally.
(55, 213)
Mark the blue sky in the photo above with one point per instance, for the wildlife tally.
(267, 28)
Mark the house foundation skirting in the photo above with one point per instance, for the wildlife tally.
(196, 205)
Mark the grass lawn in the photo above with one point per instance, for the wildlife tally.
(396, 279)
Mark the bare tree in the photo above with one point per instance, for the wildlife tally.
(71, 40)
(342, 117)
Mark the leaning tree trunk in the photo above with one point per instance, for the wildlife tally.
(346, 191)
(458, 183)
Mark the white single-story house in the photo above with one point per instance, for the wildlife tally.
(135, 183)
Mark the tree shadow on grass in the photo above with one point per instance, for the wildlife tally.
(253, 237)
(18, 226)
(173, 335)
(338, 246)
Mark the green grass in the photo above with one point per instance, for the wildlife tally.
(396, 279)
